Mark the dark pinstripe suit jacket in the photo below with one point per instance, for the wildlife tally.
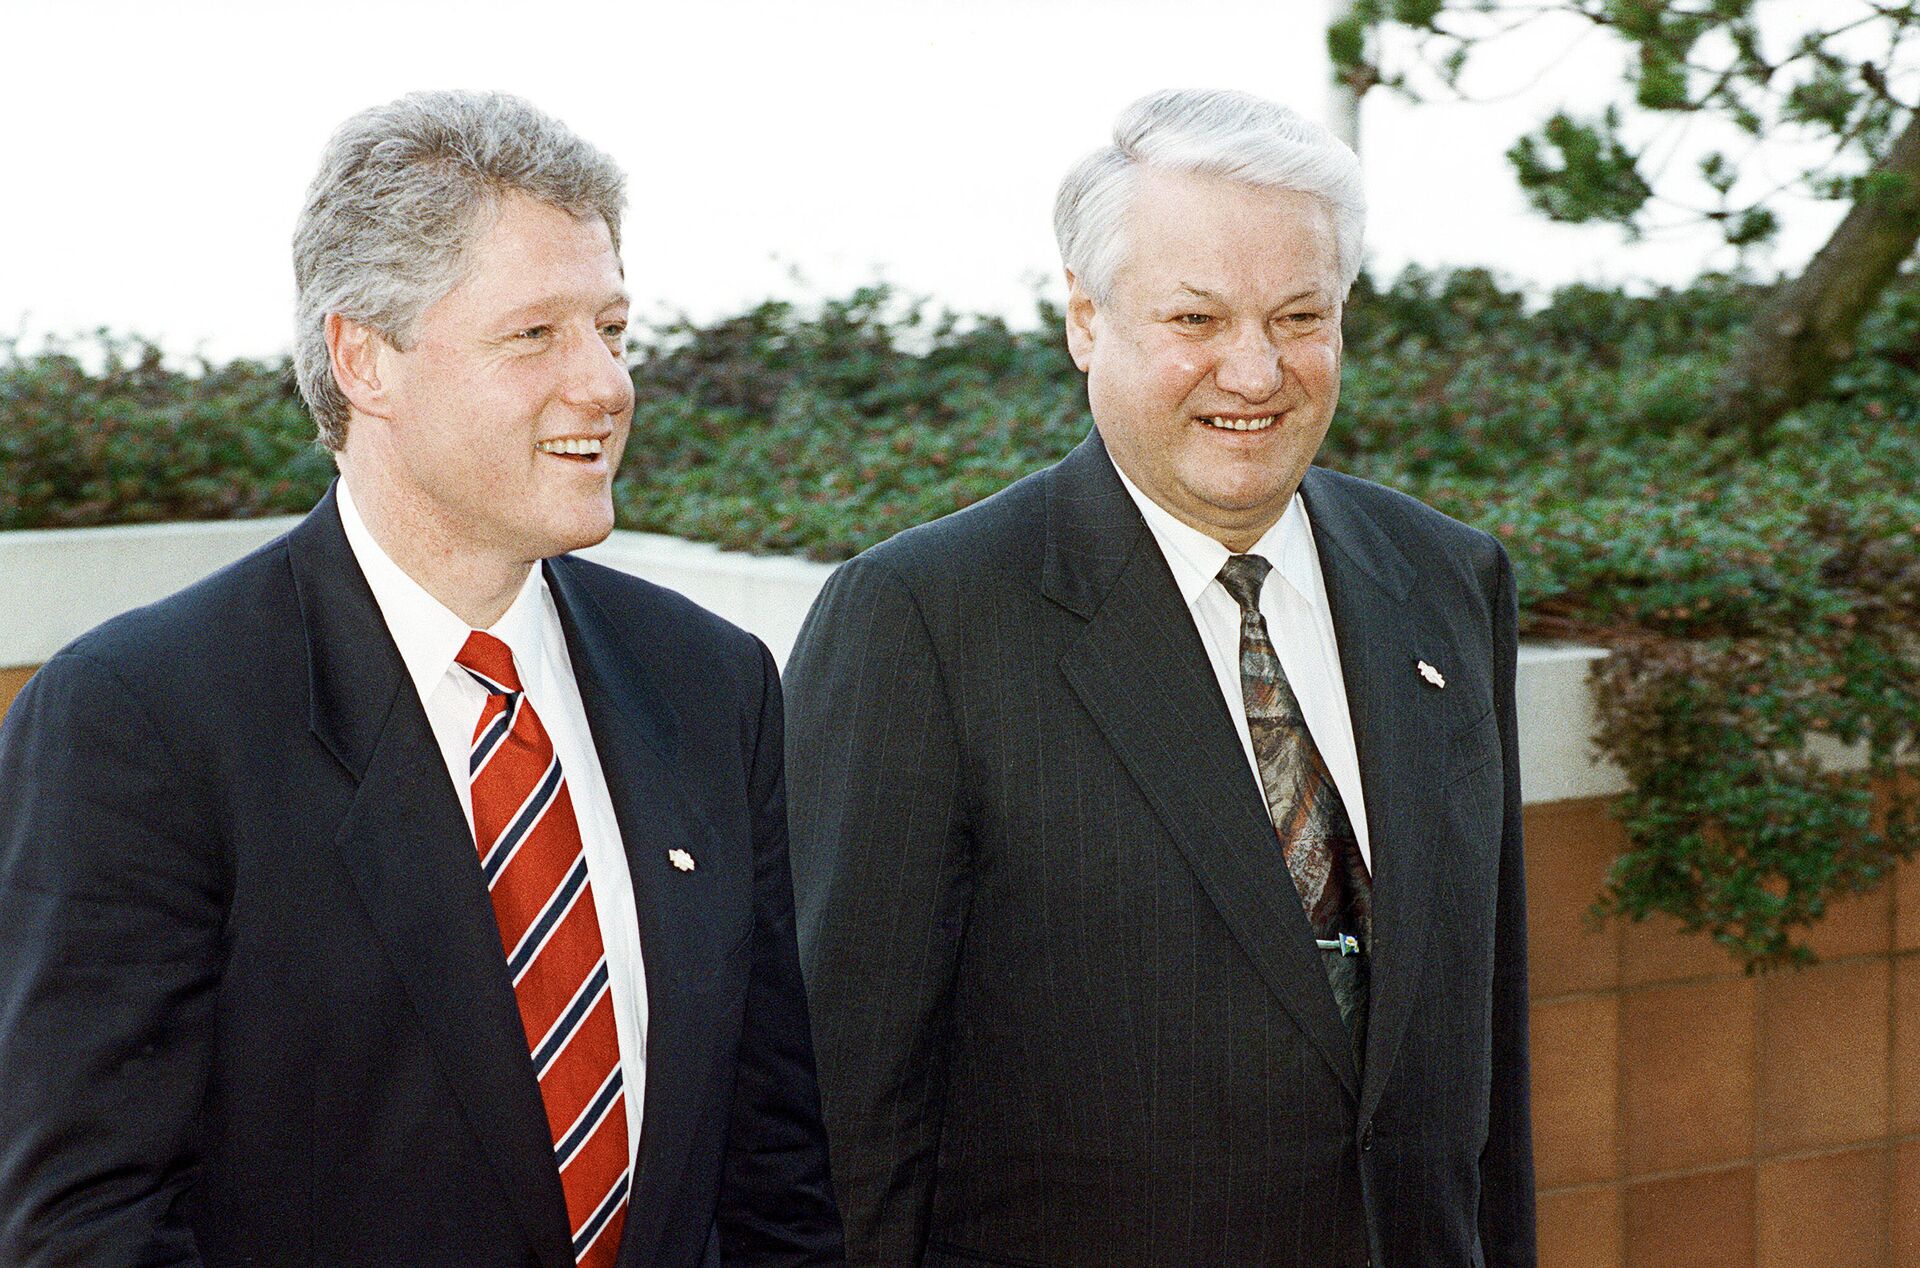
(1066, 1004)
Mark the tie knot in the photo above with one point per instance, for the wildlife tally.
(490, 661)
(1242, 575)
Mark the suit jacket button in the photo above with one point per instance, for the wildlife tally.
(1366, 1139)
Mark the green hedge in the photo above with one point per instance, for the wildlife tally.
(1755, 599)
(130, 441)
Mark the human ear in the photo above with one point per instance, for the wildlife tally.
(1080, 317)
(354, 350)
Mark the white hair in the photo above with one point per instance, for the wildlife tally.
(396, 206)
(1204, 132)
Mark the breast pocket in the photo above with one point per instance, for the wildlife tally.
(1474, 796)
(1474, 789)
(1473, 748)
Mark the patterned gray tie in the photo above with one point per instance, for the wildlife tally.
(1316, 836)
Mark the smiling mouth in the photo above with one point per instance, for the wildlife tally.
(1222, 422)
(580, 448)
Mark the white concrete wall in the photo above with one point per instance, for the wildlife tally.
(57, 583)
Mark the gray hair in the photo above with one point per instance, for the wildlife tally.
(396, 206)
(1204, 132)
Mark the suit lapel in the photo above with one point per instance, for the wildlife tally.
(682, 941)
(1142, 673)
(1401, 742)
(410, 853)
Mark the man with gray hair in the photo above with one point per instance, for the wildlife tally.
(411, 892)
(1156, 822)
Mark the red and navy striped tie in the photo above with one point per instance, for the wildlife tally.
(536, 872)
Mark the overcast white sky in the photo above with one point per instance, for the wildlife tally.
(157, 153)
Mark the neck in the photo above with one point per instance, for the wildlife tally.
(473, 583)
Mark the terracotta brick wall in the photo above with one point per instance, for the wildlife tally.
(11, 680)
(1687, 1114)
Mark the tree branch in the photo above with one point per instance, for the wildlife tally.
(1805, 331)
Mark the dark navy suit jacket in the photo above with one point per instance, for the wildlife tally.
(253, 1004)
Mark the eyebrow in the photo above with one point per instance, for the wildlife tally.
(1201, 292)
(547, 303)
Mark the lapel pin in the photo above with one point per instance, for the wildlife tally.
(680, 859)
(1431, 674)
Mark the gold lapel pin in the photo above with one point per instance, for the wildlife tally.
(1431, 674)
(680, 859)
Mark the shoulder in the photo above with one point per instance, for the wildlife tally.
(927, 593)
(1430, 541)
(999, 533)
(675, 643)
(640, 604)
(175, 686)
(238, 616)
(1401, 513)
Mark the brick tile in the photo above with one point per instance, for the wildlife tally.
(1905, 882)
(1906, 1046)
(1823, 1056)
(1857, 924)
(1657, 949)
(1687, 1074)
(1580, 1228)
(1827, 1211)
(1575, 1091)
(11, 680)
(1906, 906)
(1703, 1220)
(1570, 845)
(1906, 1203)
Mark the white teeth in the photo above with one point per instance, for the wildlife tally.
(1243, 424)
(573, 445)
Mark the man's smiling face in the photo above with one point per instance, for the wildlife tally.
(1213, 365)
(509, 410)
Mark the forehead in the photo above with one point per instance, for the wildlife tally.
(1225, 237)
(526, 252)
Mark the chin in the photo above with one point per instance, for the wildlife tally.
(588, 535)
(575, 534)
(1250, 504)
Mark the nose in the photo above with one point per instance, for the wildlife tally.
(596, 377)
(1249, 365)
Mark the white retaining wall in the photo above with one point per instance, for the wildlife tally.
(57, 583)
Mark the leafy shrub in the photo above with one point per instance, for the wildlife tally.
(1753, 601)
(136, 442)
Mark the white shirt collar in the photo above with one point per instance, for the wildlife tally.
(425, 630)
(1195, 558)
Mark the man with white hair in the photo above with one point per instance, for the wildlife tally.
(1156, 822)
(411, 892)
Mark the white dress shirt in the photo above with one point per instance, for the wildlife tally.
(1299, 619)
(429, 636)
